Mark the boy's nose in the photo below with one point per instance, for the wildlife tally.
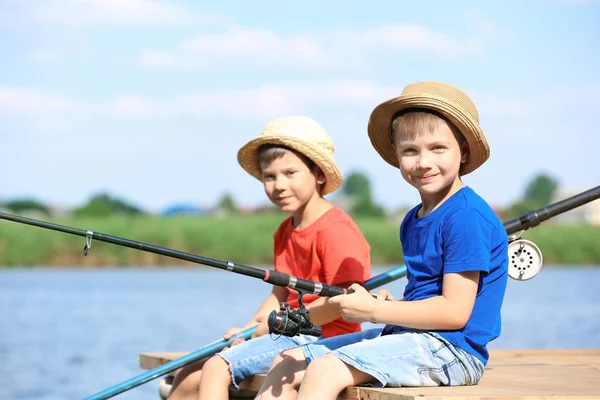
(280, 184)
(424, 161)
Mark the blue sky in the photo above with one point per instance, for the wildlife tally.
(150, 100)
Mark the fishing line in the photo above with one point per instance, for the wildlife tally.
(103, 255)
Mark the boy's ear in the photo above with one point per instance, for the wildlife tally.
(321, 179)
(464, 152)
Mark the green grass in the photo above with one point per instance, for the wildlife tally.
(242, 239)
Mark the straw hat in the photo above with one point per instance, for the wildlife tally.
(302, 134)
(447, 100)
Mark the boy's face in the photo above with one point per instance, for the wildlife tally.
(289, 183)
(431, 160)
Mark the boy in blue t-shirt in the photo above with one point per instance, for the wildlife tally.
(456, 252)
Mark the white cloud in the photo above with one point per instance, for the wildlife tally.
(555, 102)
(485, 26)
(261, 103)
(267, 101)
(416, 38)
(255, 46)
(91, 13)
(502, 106)
(135, 106)
(345, 97)
(45, 55)
(582, 97)
(261, 47)
(28, 102)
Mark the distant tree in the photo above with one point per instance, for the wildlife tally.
(538, 193)
(24, 205)
(358, 187)
(357, 184)
(227, 204)
(541, 189)
(366, 208)
(102, 205)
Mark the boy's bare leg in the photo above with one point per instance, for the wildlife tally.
(186, 381)
(215, 380)
(327, 376)
(284, 376)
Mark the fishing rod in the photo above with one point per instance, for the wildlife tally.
(525, 257)
(534, 218)
(273, 277)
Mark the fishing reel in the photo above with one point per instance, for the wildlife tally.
(290, 322)
(524, 258)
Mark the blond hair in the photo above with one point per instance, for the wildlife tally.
(413, 122)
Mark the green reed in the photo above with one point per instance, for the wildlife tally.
(242, 239)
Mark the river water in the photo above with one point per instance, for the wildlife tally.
(67, 334)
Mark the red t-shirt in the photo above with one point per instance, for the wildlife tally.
(331, 250)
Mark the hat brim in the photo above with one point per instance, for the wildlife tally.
(380, 127)
(249, 161)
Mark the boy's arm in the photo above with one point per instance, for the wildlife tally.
(450, 311)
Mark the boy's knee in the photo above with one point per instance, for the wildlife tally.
(322, 365)
(185, 388)
(289, 355)
(215, 364)
(289, 360)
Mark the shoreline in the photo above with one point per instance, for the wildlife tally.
(245, 240)
(201, 267)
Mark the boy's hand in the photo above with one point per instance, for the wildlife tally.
(356, 307)
(231, 332)
(385, 294)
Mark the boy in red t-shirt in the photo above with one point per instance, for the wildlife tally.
(293, 158)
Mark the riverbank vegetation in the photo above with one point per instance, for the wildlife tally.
(227, 231)
(242, 239)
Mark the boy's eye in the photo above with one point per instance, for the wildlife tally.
(408, 151)
(439, 147)
(267, 177)
(290, 173)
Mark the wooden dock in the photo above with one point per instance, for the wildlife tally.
(545, 374)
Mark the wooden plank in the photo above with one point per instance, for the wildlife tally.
(540, 374)
(153, 360)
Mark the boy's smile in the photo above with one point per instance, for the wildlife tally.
(426, 178)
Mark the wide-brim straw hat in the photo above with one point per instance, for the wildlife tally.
(301, 134)
(445, 99)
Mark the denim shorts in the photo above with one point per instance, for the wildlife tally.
(255, 356)
(405, 358)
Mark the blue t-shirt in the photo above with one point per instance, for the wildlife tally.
(462, 234)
